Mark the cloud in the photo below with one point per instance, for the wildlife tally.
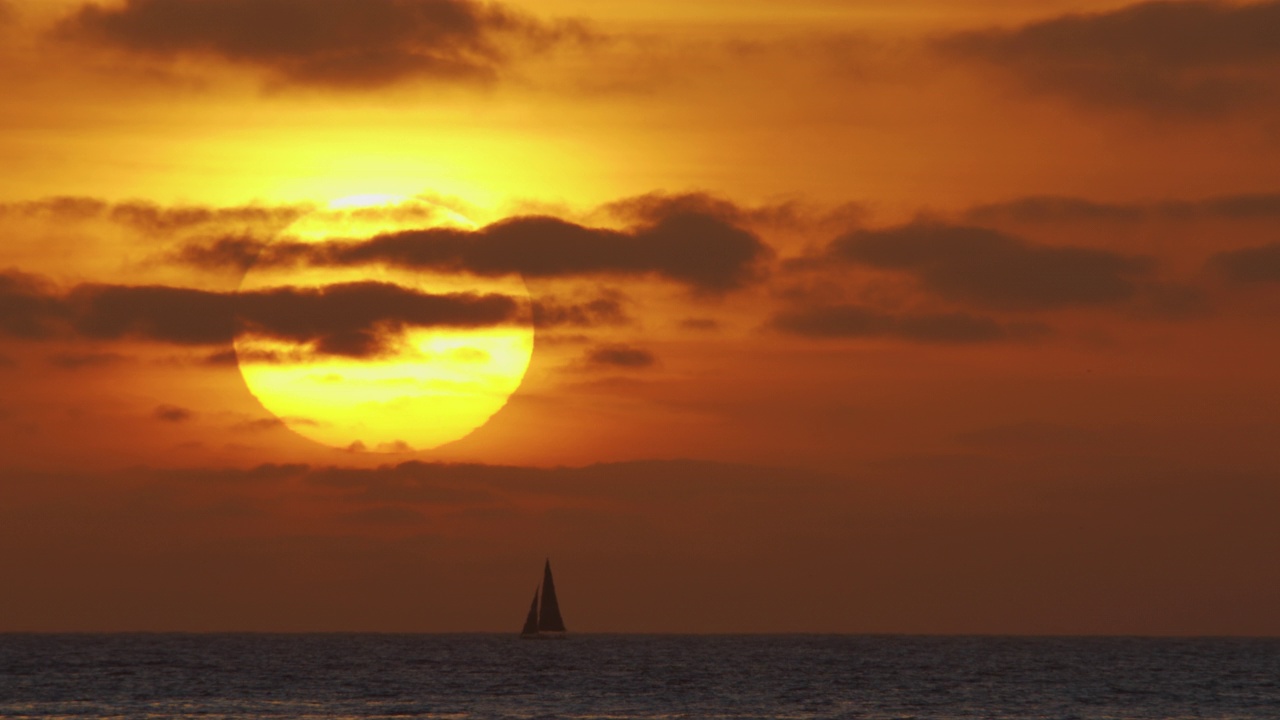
(221, 358)
(641, 482)
(1043, 208)
(176, 315)
(61, 207)
(156, 219)
(271, 423)
(346, 44)
(1172, 301)
(1048, 208)
(27, 310)
(653, 207)
(385, 515)
(359, 319)
(593, 313)
(352, 319)
(855, 321)
(417, 482)
(78, 361)
(620, 356)
(231, 357)
(697, 249)
(705, 324)
(992, 269)
(227, 252)
(1249, 265)
(1196, 58)
(356, 319)
(1041, 435)
(172, 414)
(1243, 207)
(349, 319)
(786, 216)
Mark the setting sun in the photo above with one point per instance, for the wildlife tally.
(427, 387)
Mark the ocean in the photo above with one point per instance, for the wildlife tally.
(634, 676)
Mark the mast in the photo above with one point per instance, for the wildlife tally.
(550, 620)
(531, 622)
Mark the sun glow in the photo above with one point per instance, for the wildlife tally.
(433, 387)
(367, 200)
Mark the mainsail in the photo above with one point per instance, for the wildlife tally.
(549, 620)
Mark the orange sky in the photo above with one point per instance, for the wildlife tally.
(919, 317)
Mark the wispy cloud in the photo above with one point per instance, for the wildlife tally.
(994, 269)
(1197, 58)
(342, 44)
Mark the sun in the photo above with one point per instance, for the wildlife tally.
(435, 387)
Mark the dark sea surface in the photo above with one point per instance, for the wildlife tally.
(634, 676)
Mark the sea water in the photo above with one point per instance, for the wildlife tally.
(622, 676)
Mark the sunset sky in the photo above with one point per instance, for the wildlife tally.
(918, 316)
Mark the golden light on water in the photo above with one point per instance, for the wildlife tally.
(433, 387)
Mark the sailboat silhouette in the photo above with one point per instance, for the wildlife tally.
(547, 623)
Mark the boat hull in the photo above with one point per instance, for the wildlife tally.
(542, 635)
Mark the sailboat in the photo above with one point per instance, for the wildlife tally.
(544, 622)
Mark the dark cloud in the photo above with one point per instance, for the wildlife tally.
(27, 306)
(1249, 265)
(385, 515)
(232, 357)
(224, 253)
(79, 361)
(271, 423)
(1039, 209)
(332, 43)
(787, 215)
(1038, 434)
(61, 208)
(1168, 301)
(620, 356)
(855, 321)
(1243, 207)
(416, 482)
(350, 319)
(991, 268)
(1050, 209)
(357, 319)
(593, 313)
(700, 324)
(177, 315)
(1189, 58)
(700, 250)
(221, 358)
(361, 319)
(172, 414)
(564, 339)
(653, 207)
(157, 219)
(628, 482)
